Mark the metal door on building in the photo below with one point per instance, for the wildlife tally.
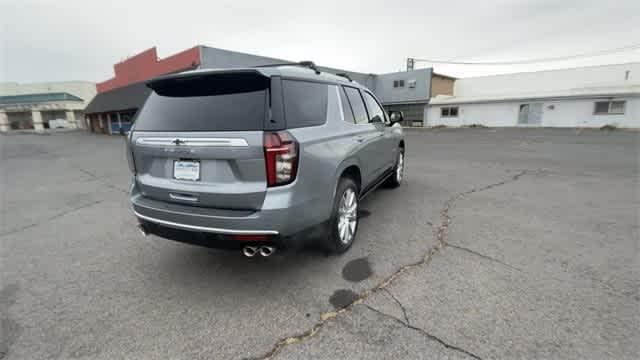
(530, 114)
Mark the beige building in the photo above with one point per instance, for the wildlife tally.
(42, 106)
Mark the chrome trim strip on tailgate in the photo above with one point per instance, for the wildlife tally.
(206, 142)
(178, 212)
(204, 228)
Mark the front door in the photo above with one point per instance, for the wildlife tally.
(385, 147)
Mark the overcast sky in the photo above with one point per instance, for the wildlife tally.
(81, 40)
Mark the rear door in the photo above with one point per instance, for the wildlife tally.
(199, 140)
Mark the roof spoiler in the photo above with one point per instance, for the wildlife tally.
(209, 83)
(307, 64)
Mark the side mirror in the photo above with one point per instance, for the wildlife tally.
(395, 117)
(376, 119)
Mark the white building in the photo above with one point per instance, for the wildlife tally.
(582, 97)
(41, 106)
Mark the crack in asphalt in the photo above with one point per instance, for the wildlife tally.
(404, 311)
(425, 333)
(487, 257)
(53, 217)
(424, 261)
(100, 180)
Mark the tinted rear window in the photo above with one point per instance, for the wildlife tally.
(346, 107)
(305, 103)
(233, 102)
(359, 111)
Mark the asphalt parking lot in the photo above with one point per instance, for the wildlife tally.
(502, 244)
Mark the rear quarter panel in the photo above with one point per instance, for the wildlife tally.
(322, 157)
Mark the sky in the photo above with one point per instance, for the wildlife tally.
(81, 40)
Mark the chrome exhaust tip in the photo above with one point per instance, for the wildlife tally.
(267, 251)
(142, 230)
(249, 251)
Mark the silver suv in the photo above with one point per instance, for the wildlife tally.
(260, 158)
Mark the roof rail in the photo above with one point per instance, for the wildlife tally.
(345, 75)
(308, 64)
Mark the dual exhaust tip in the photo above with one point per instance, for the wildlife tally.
(265, 251)
(143, 231)
(248, 251)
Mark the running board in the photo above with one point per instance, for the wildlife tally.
(376, 184)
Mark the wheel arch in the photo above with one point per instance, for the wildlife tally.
(349, 167)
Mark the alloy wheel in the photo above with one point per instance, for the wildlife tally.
(347, 215)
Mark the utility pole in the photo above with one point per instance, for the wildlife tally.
(410, 63)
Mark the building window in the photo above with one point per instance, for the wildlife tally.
(398, 83)
(609, 107)
(530, 114)
(449, 112)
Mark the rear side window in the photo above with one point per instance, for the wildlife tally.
(346, 107)
(227, 102)
(305, 103)
(376, 114)
(359, 111)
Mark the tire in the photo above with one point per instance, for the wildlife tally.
(344, 217)
(395, 180)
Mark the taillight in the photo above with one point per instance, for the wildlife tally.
(132, 163)
(129, 154)
(281, 158)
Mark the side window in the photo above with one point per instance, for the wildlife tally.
(359, 111)
(305, 103)
(346, 107)
(376, 114)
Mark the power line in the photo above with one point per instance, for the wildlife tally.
(535, 61)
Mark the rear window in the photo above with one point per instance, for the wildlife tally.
(305, 103)
(212, 103)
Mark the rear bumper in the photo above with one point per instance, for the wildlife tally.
(222, 241)
(191, 237)
(206, 229)
(216, 227)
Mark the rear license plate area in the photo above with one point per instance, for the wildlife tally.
(186, 170)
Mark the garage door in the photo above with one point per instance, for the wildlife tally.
(54, 119)
(20, 120)
(413, 113)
